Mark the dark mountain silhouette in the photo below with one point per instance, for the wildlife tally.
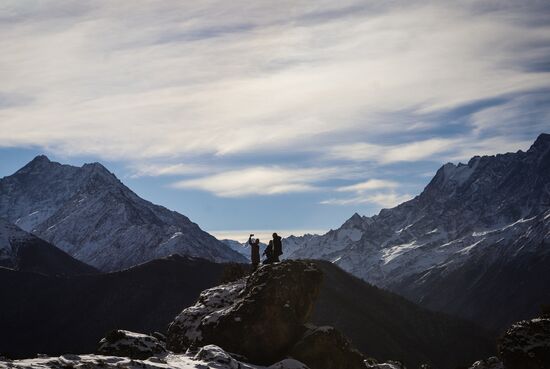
(53, 315)
(389, 327)
(56, 315)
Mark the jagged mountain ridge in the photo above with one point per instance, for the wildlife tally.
(87, 212)
(21, 251)
(492, 211)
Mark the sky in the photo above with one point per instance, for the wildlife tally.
(251, 116)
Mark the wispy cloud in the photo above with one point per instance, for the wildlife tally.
(259, 181)
(379, 192)
(329, 84)
(413, 151)
(371, 184)
(154, 170)
(384, 200)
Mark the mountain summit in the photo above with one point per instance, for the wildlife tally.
(90, 214)
(477, 227)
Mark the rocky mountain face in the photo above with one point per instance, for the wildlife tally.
(22, 251)
(87, 212)
(476, 239)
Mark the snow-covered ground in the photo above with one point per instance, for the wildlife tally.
(209, 357)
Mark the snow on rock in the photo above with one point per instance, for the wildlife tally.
(370, 364)
(526, 344)
(185, 330)
(209, 357)
(490, 363)
(88, 213)
(130, 344)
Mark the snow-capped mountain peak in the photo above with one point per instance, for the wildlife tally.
(87, 212)
(493, 209)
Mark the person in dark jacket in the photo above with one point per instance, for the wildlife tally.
(277, 247)
(268, 252)
(254, 251)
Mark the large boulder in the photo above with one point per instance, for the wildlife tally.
(327, 348)
(130, 344)
(260, 318)
(526, 345)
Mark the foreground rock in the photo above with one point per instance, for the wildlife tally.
(263, 319)
(326, 347)
(130, 344)
(526, 345)
(260, 318)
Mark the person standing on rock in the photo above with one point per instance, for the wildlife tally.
(268, 252)
(254, 251)
(277, 247)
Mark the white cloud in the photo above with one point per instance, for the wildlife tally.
(247, 85)
(384, 200)
(368, 192)
(371, 184)
(259, 181)
(173, 79)
(413, 151)
(154, 170)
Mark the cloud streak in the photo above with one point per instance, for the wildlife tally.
(259, 181)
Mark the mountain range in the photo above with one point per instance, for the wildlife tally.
(475, 243)
(91, 215)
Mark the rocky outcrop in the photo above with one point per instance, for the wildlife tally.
(526, 345)
(260, 318)
(130, 344)
(263, 319)
(327, 348)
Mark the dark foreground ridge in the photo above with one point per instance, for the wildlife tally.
(58, 315)
(261, 322)
(146, 298)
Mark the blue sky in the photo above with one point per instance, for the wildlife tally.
(283, 115)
